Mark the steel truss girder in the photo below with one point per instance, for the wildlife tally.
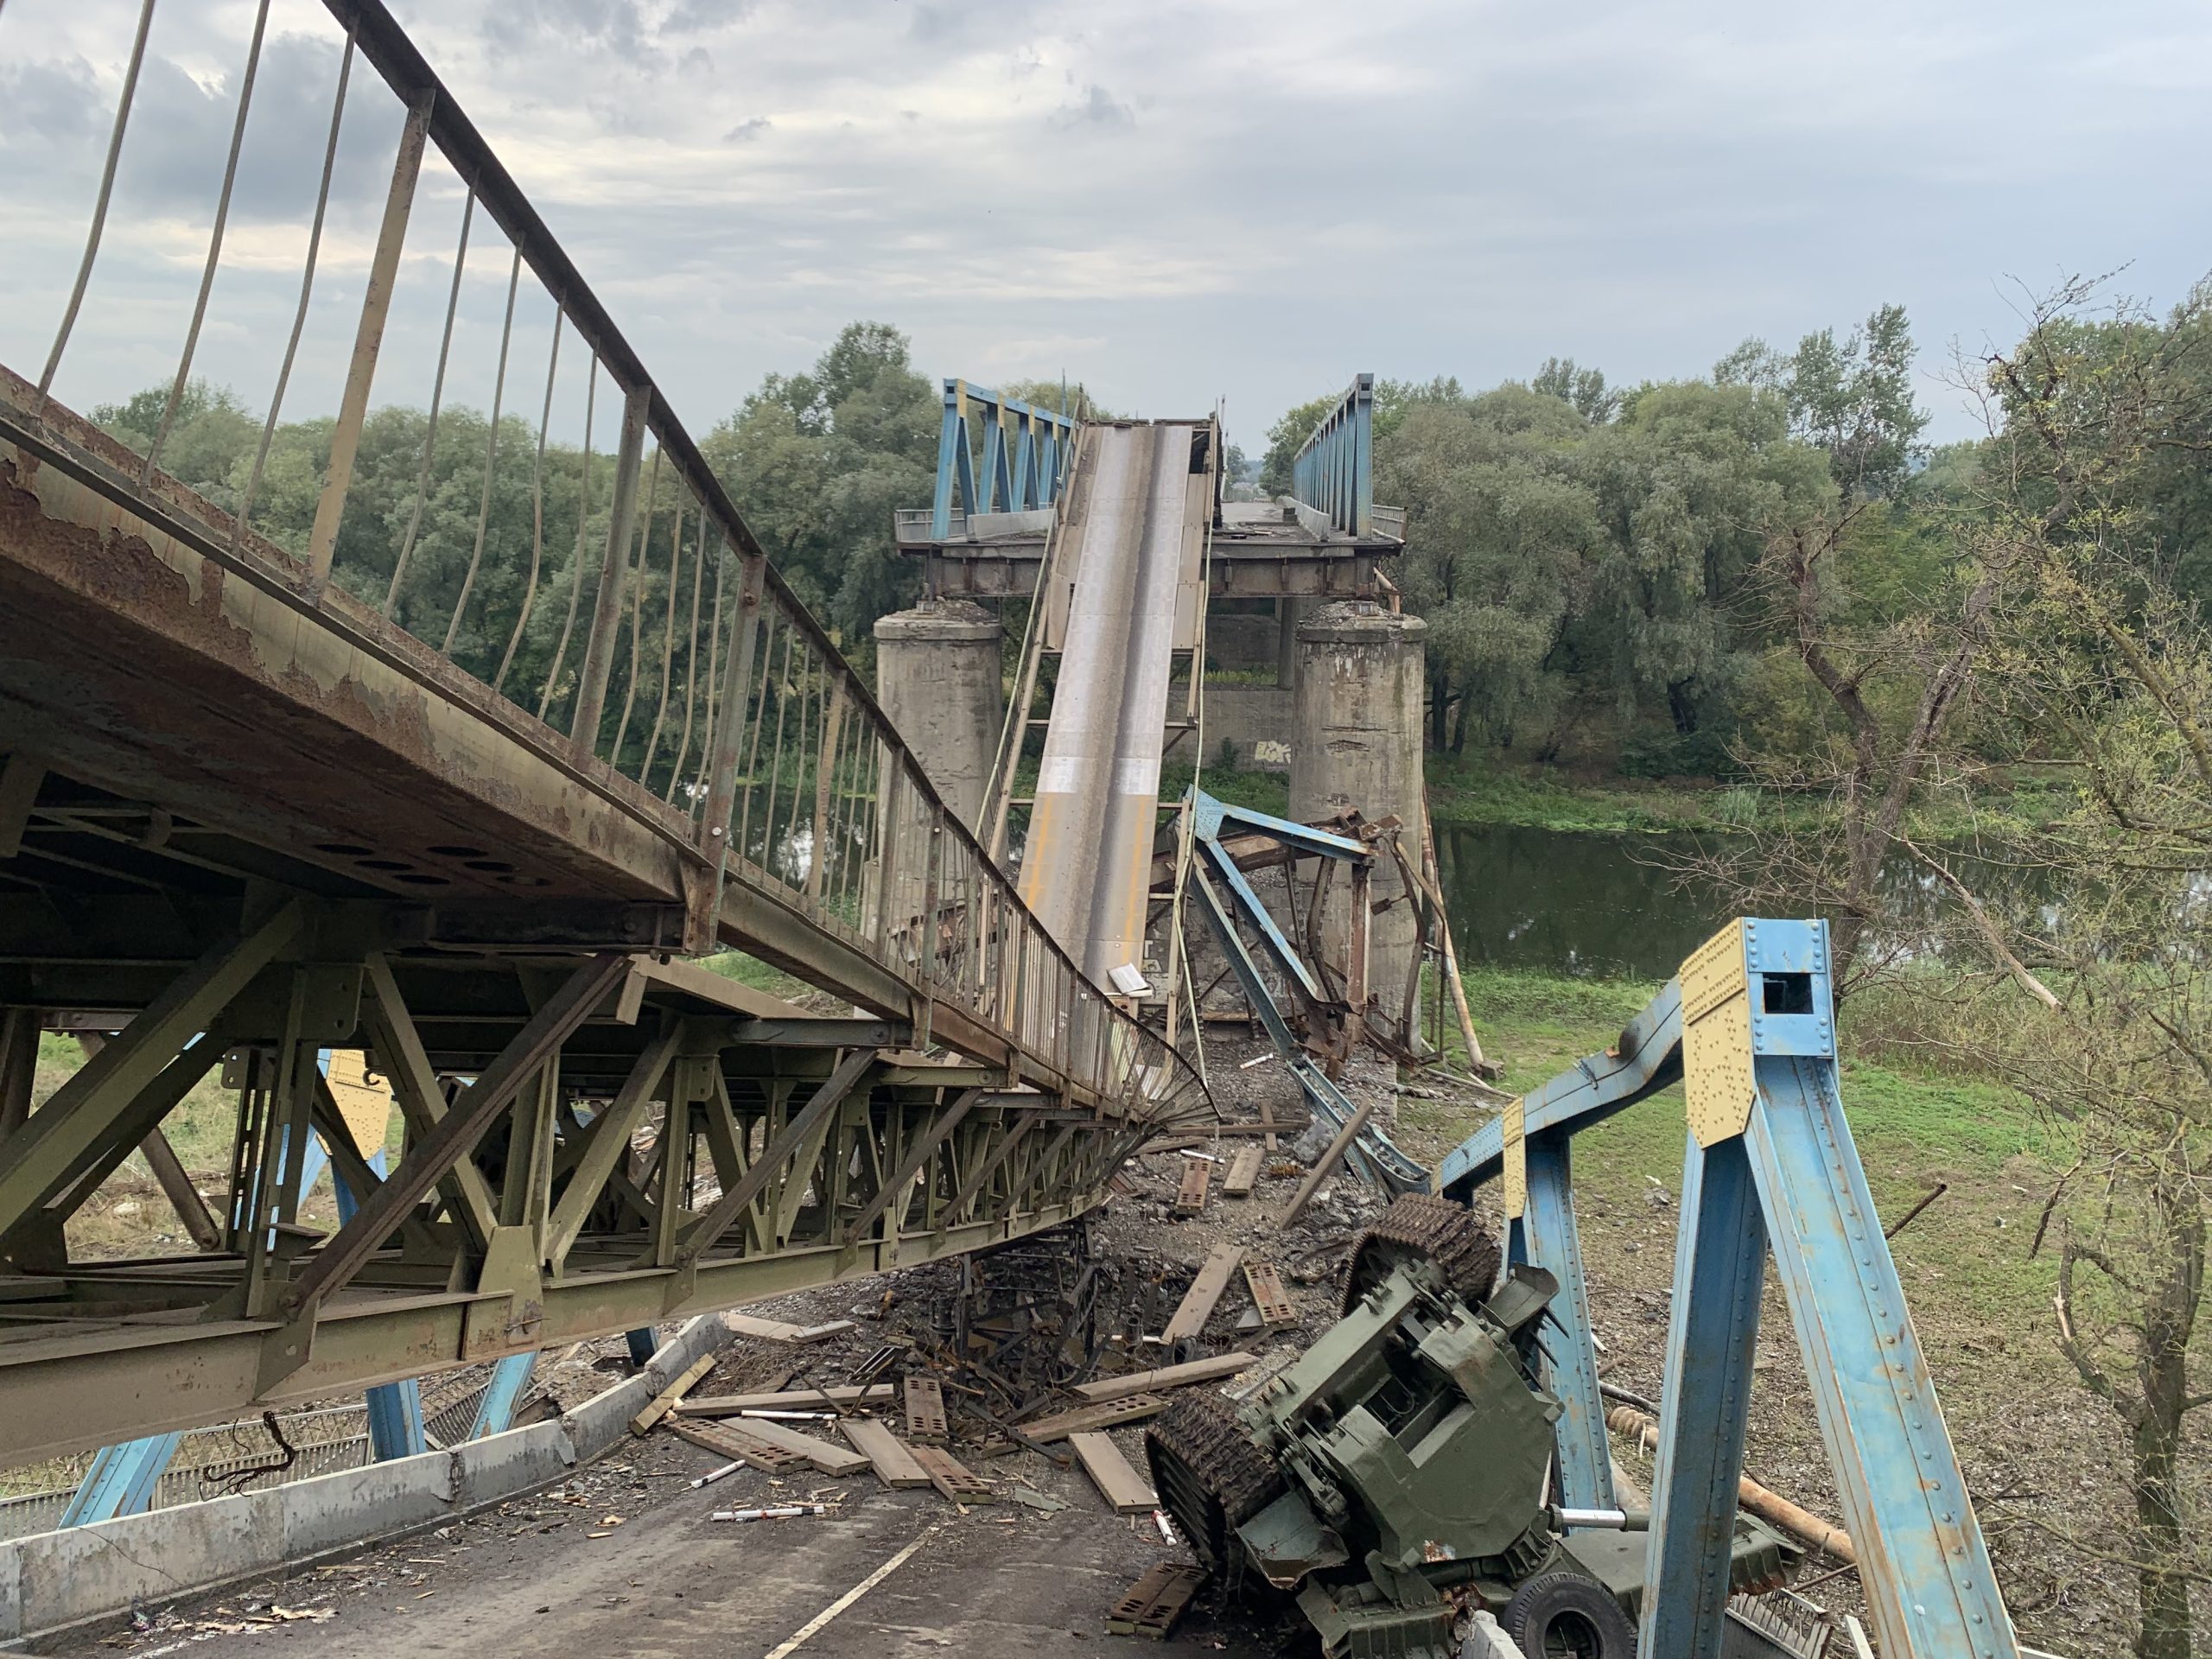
(519, 1214)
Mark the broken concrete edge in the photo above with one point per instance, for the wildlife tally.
(52, 1582)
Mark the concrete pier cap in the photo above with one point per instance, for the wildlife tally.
(1361, 688)
(938, 678)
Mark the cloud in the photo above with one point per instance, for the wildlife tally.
(1293, 190)
(1097, 107)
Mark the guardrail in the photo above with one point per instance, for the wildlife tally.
(996, 455)
(639, 619)
(1334, 470)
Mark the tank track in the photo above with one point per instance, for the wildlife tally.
(1420, 1227)
(1210, 1478)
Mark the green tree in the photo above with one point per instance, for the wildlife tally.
(1851, 399)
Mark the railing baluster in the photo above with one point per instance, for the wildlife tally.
(491, 457)
(214, 245)
(99, 206)
(537, 507)
(437, 398)
(576, 558)
(607, 612)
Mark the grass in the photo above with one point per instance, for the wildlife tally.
(1965, 1260)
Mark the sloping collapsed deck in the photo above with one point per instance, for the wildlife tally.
(1125, 597)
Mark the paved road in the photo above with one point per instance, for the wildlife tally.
(530, 1579)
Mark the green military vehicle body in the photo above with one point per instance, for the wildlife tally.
(1393, 1478)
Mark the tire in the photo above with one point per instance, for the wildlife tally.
(1567, 1616)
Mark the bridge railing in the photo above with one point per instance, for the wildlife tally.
(589, 567)
(996, 455)
(1334, 472)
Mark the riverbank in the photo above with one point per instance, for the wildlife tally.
(2045, 1460)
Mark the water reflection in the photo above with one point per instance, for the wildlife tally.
(1602, 906)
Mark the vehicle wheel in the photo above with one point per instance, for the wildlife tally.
(1567, 1616)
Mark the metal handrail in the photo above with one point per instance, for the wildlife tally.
(691, 669)
(1334, 472)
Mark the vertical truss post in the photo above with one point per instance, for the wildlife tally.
(395, 1408)
(1544, 1232)
(1719, 1268)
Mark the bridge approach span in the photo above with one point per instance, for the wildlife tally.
(269, 787)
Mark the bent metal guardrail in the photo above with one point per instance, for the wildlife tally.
(640, 618)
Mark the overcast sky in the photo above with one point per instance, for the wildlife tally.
(1216, 199)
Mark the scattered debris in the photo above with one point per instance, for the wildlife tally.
(732, 1405)
(830, 1459)
(1191, 1198)
(950, 1476)
(668, 1397)
(1126, 1491)
(749, 1450)
(893, 1462)
(747, 1324)
(1156, 1601)
(781, 1512)
(1061, 1424)
(1243, 1172)
(1197, 1305)
(925, 1419)
(1167, 1377)
(1268, 1295)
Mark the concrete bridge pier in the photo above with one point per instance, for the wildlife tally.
(1357, 742)
(938, 677)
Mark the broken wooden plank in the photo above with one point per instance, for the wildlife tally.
(1159, 1382)
(894, 1461)
(662, 1402)
(1268, 1294)
(1155, 1601)
(725, 1442)
(1244, 1173)
(1083, 1419)
(1198, 1304)
(728, 1405)
(752, 1324)
(1190, 1197)
(830, 1459)
(925, 1410)
(1126, 1491)
(950, 1476)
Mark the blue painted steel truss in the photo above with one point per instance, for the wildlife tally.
(1769, 1165)
(1372, 1151)
(1334, 471)
(995, 455)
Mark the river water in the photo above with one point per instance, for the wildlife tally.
(1613, 906)
(1600, 906)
